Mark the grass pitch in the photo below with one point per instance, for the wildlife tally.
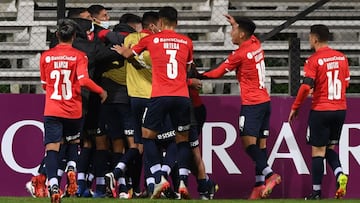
(108, 200)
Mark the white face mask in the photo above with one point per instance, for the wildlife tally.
(105, 24)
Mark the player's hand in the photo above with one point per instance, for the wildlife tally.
(293, 114)
(103, 96)
(119, 48)
(196, 83)
(230, 19)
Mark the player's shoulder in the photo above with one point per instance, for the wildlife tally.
(132, 37)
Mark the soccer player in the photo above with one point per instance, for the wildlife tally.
(248, 62)
(100, 17)
(138, 82)
(171, 56)
(206, 187)
(114, 121)
(63, 70)
(327, 74)
(79, 13)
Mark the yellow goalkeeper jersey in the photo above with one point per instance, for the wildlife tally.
(138, 81)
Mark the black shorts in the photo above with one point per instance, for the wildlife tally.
(178, 108)
(116, 120)
(57, 128)
(254, 120)
(325, 127)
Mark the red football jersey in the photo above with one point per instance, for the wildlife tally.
(330, 71)
(170, 54)
(60, 70)
(248, 62)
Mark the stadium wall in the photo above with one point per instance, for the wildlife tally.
(21, 133)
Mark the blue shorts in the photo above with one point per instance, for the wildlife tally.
(178, 108)
(61, 129)
(115, 120)
(138, 106)
(167, 132)
(254, 120)
(198, 117)
(325, 127)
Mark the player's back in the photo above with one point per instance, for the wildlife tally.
(332, 75)
(138, 80)
(170, 54)
(251, 73)
(59, 72)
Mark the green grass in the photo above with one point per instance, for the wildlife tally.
(83, 200)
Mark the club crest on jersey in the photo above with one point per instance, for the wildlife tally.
(47, 59)
(320, 62)
(249, 55)
(156, 40)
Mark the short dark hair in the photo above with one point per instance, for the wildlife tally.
(169, 13)
(66, 29)
(75, 12)
(83, 24)
(129, 18)
(149, 17)
(246, 24)
(321, 31)
(95, 9)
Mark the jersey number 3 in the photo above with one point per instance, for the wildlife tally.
(172, 66)
(65, 85)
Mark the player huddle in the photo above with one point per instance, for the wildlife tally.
(130, 98)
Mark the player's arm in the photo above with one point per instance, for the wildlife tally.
(122, 50)
(103, 54)
(193, 81)
(85, 81)
(303, 92)
(217, 72)
(230, 19)
(347, 77)
(42, 73)
(135, 63)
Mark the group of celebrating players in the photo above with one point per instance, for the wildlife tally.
(130, 98)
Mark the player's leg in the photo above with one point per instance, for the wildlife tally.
(153, 118)
(180, 116)
(332, 156)
(53, 136)
(251, 122)
(169, 160)
(89, 132)
(116, 132)
(206, 187)
(132, 159)
(101, 155)
(259, 186)
(37, 185)
(72, 128)
(318, 139)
